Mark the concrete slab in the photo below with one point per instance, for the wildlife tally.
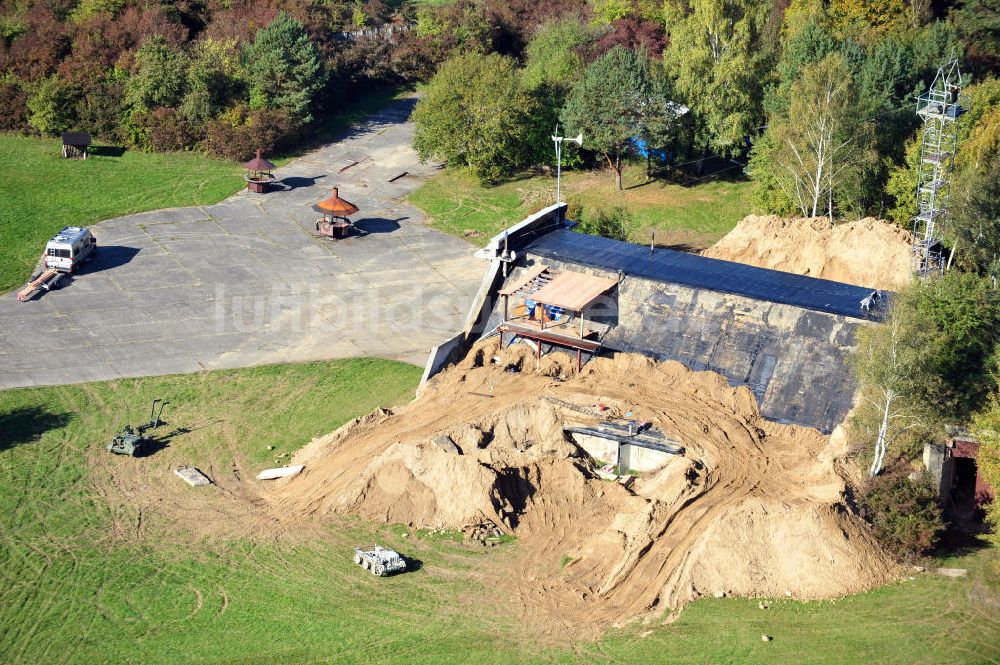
(247, 281)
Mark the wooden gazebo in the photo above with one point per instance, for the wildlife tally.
(258, 175)
(74, 144)
(336, 210)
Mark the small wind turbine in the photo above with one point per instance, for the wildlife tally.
(578, 139)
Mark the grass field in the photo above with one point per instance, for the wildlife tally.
(86, 578)
(692, 216)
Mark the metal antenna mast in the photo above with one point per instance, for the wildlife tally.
(939, 108)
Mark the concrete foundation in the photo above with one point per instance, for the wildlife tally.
(635, 458)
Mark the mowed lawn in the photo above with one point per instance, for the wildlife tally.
(41, 192)
(693, 216)
(76, 586)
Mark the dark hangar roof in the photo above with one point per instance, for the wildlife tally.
(701, 272)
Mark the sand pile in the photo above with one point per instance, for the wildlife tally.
(751, 508)
(868, 252)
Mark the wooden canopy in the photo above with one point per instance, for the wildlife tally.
(258, 164)
(77, 139)
(525, 279)
(336, 206)
(573, 290)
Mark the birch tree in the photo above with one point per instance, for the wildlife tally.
(884, 366)
(821, 147)
(932, 363)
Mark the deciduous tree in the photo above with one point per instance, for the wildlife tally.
(51, 106)
(885, 363)
(476, 113)
(719, 66)
(986, 428)
(821, 147)
(159, 78)
(974, 224)
(213, 79)
(554, 54)
(932, 363)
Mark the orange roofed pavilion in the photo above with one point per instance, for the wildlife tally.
(335, 211)
(335, 206)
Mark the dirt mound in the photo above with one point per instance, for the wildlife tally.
(868, 252)
(751, 508)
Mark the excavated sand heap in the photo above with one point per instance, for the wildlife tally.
(868, 252)
(751, 508)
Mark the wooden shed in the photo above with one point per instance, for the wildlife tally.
(75, 144)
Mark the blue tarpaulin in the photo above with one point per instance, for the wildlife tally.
(644, 151)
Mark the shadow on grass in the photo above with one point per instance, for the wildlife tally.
(106, 150)
(961, 539)
(27, 424)
(412, 564)
(715, 169)
(688, 247)
(151, 446)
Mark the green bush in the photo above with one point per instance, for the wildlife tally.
(612, 223)
(476, 113)
(905, 512)
(51, 106)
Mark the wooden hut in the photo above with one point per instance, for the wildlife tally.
(336, 210)
(74, 144)
(258, 175)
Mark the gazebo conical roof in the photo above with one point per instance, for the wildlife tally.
(336, 206)
(258, 163)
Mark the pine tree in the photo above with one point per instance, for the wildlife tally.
(284, 68)
(616, 101)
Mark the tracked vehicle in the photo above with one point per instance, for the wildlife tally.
(380, 561)
(134, 441)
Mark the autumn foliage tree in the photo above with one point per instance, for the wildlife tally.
(719, 66)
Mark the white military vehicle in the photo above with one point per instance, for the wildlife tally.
(380, 561)
(67, 251)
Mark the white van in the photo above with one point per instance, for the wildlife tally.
(70, 248)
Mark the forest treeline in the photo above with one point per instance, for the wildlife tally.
(815, 99)
(227, 76)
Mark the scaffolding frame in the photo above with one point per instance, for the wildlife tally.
(939, 108)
